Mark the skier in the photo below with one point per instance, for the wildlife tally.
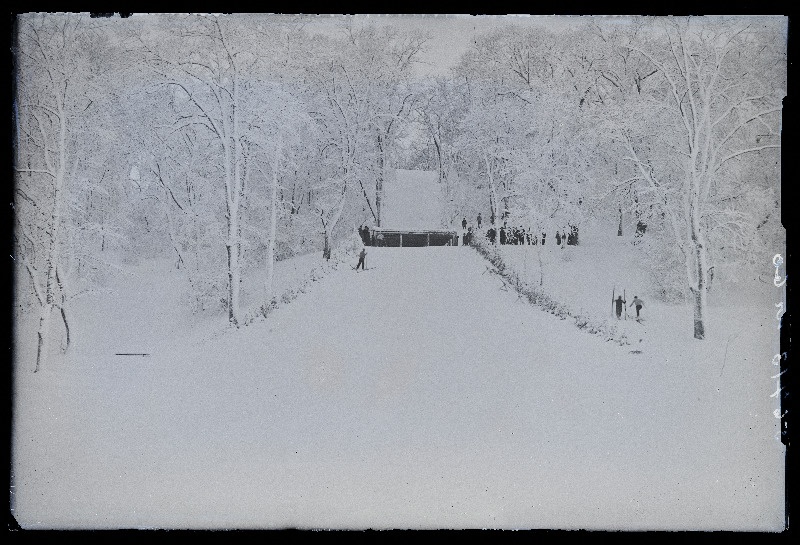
(361, 257)
(619, 302)
(479, 220)
(464, 223)
(639, 304)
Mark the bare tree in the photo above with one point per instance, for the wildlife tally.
(716, 97)
(54, 96)
(210, 67)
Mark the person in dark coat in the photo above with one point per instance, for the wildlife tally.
(361, 257)
(558, 238)
(619, 303)
(491, 234)
(503, 234)
(544, 235)
(464, 223)
(479, 220)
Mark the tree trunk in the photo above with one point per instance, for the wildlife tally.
(493, 198)
(233, 282)
(701, 271)
(326, 246)
(43, 336)
(379, 183)
(273, 224)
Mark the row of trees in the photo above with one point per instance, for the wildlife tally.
(226, 141)
(230, 142)
(675, 121)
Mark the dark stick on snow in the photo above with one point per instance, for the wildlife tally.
(131, 354)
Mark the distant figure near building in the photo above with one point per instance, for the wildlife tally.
(639, 304)
(468, 237)
(491, 234)
(619, 304)
(558, 238)
(544, 236)
(479, 220)
(364, 232)
(464, 223)
(361, 257)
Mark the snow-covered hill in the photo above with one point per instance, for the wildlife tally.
(417, 393)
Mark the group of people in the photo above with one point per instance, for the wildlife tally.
(520, 235)
(619, 303)
(366, 237)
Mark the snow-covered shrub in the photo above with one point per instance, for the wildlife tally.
(535, 296)
(342, 254)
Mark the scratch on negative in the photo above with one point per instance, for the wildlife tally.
(725, 358)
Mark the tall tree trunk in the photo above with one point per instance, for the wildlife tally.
(273, 223)
(379, 183)
(493, 197)
(54, 250)
(701, 269)
(232, 244)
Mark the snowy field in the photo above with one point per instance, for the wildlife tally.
(414, 394)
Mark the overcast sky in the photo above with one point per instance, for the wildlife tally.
(451, 35)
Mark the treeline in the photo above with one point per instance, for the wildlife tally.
(229, 142)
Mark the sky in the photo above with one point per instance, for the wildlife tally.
(451, 35)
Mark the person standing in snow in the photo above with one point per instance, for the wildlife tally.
(464, 223)
(619, 303)
(639, 304)
(479, 220)
(361, 257)
(544, 236)
(558, 238)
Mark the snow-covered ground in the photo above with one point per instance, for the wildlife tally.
(412, 200)
(585, 276)
(417, 393)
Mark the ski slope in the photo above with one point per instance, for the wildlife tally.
(412, 200)
(415, 394)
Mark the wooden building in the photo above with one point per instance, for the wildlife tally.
(400, 238)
